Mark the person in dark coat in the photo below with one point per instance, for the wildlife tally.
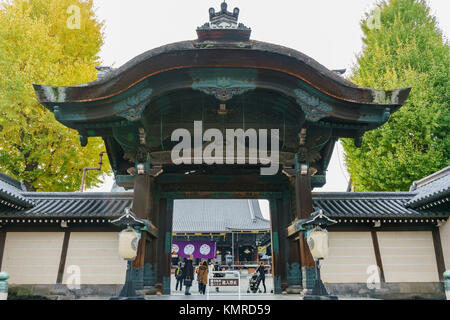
(179, 276)
(188, 274)
(261, 271)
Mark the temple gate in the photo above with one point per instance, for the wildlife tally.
(226, 81)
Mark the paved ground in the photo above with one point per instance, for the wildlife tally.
(224, 291)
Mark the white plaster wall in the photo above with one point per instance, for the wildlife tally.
(444, 230)
(408, 256)
(95, 255)
(32, 257)
(350, 254)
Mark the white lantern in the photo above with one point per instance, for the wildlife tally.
(128, 243)
(318, 243)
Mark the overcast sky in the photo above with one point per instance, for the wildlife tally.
(326, 30)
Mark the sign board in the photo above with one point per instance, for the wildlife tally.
(223, 282)
(226, 281)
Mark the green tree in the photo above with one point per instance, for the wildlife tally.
(46, 42)
(405, 49)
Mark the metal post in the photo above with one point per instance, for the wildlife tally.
(319, 287)
(232, 246)
(128, 289)
(4, 285)
(99, 168)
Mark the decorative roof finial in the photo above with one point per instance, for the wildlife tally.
(223, 20)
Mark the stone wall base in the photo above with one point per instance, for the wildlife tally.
(62, 291)
(389, 291)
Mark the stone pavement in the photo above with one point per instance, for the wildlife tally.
(230, 293)
(244, 286)
(227, 293)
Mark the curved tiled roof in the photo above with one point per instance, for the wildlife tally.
(220, 215)
(431, 188)
(371, 205)
(11, 193)
(135, 71)
(75, 205)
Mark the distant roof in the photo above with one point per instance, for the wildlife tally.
(11, 193)
(217, 216)
(431, 188)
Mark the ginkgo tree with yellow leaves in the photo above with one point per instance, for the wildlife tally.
(403, 47)
(55, 42)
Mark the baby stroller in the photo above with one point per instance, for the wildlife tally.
(253, 283)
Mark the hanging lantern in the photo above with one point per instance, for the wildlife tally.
(128, 243)
(318, 243)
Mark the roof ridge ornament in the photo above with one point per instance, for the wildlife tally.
(224, 20)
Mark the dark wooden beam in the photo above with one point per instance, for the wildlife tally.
(438, 253)
(164, 158)
(376, 248)
(303, 196)
(220, 195)
(142, 196)
(304, 208)
(62, 260)
(291, 230)
(139, 261)
(2, 246)
(152, 230)
(306, 258)
(142, 207)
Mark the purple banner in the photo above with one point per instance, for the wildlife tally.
(199, 249)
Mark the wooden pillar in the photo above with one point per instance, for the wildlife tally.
(293, 266)
(141, 208)
(304, 208)
(62, 260)
(151, 248)
(438, 253)
(376, 249)
(277, 257)
(255, 253)
(2, 246)
(164, 254)
(283, 220)
(236, 249)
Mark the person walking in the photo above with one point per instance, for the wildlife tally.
(188, 275)
(261, 271)
(179, 276)
(202, 277)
